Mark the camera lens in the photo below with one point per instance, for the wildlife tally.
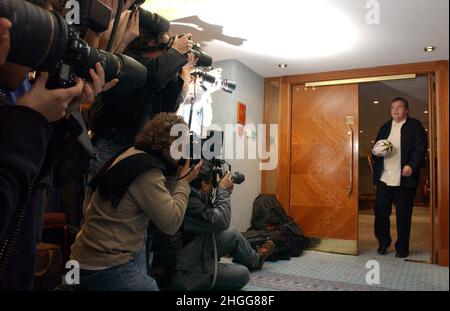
(228, 86)
(203, 59)
(33, 26)
(238, 178)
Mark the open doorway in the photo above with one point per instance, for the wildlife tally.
(374, 110)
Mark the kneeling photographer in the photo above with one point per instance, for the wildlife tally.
(140, 185)
(206, 237)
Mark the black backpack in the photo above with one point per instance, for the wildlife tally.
(270, 221)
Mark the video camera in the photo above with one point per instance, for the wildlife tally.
(42, 40)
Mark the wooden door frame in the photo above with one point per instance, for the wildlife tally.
(438, 68)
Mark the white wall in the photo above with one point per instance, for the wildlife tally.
(250, 91)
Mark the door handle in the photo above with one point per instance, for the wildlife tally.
(350, 173)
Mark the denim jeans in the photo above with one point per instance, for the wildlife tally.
(131, 276)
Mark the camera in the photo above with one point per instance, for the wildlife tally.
(42, 40)
(203, 59)
(214, 79)
(219, 167)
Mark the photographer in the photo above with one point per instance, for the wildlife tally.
(47, 138)
(25, 133)
(117, 119)
(206, 237)
(141, 185)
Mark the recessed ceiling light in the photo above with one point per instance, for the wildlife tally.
(376, 102)
(430, 49)
(283, 65)
(372, 141)
(426, 130)
(362, 132)
(425, 112)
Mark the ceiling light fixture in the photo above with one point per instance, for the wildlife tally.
(376, 102)
(283, 65)
(425, 112)
(430, 49)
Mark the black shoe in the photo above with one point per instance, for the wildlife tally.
(382, 250)
(401, 254)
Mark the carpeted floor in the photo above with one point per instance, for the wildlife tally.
(317, 271)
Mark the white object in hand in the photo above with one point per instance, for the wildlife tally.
(382, 148)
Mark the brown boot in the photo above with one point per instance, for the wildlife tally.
(264, 252)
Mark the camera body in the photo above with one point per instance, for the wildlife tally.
(79, 57)
(219, 167)
(53, 45)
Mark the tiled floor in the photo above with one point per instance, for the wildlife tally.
(324, 271)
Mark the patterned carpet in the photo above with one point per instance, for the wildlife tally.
(282, 282)
(317, 271)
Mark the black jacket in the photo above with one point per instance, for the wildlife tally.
(120, 118)
(29, 146)
(414, 146)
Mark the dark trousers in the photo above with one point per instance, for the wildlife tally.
(403, 199)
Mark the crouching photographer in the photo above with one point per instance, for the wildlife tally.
(206, 236)
(140, 185)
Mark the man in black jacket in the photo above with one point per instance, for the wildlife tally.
(397, 176)
(25, 134)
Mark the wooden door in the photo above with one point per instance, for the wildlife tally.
(324, 166)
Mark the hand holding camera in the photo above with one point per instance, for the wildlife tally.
(226, 181)
(4, 39)
(131, 32)
(98, 84)
(183, 44)
(52, 104)
(189, 174)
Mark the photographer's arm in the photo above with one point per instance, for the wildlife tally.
(166, 210)
(4, 39)
(164, 68)
(201, 218)
(24, 135)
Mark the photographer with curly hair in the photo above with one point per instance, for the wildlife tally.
(140, 185)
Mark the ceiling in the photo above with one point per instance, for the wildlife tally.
(373, 116)
(312, 36)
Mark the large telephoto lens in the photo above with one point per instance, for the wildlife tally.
(46, 32)
(130, 72)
